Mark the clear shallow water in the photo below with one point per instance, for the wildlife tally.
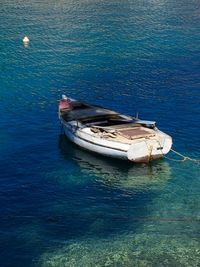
(61, 206)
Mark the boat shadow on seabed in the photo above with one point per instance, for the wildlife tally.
(111, 172)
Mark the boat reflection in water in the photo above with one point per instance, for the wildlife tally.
(116, 173)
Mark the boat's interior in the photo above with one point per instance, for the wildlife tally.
(106, 120)
(102, 120)
(87, 114)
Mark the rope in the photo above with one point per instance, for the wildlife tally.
(184, 158)
(150, 149)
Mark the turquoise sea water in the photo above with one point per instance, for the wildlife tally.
(61, 206)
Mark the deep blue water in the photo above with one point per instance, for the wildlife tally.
(61, 206)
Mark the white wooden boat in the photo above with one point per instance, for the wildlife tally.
(112, 134)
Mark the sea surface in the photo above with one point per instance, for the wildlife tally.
(61, 206)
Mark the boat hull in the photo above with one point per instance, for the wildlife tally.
(95, 147)
(142, 150)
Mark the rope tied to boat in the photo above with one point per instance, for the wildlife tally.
(150, 149)
(184, 158)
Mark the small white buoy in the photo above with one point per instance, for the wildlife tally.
(26, 41)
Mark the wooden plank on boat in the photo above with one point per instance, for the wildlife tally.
(136, 132)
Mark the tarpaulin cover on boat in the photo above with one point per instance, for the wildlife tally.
(89, 112)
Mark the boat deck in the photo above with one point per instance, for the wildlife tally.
(123, 134)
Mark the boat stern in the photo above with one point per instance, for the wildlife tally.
(148, 149)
